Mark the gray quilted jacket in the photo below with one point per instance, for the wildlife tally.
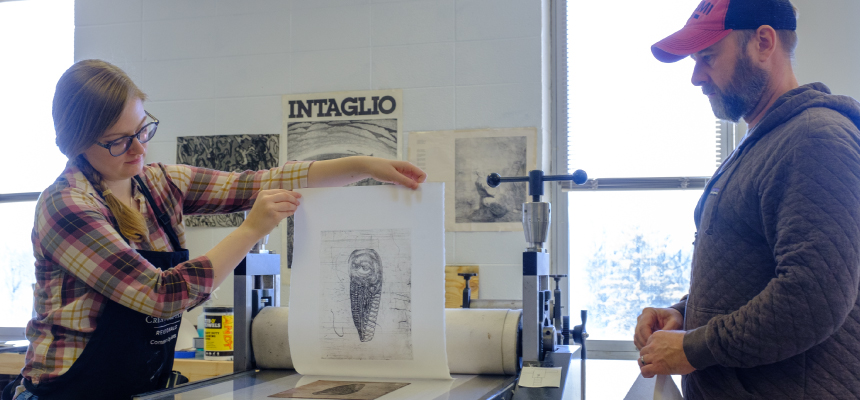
(773, 310)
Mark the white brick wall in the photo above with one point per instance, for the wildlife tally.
(218, 67)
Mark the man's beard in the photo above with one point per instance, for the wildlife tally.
(743, 92)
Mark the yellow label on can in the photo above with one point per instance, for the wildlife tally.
(219, 335)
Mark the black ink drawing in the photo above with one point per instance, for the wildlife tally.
(333, 328)
(341, 390)
(366, 298)
(337, 389)
(474, 159)
(226, 153)
(327, 140)
(365, 289)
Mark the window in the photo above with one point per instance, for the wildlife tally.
(648, 140)
(36, 40)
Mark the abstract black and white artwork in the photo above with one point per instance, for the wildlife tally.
(234, 153)
(327, 140)
(475, 158)
(365, 302)
(214, 221)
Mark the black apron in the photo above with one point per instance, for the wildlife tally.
(130, 352)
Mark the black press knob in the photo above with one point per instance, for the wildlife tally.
(579, 334)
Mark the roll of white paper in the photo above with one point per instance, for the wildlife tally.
(478, 341)
(482, 341)
(269, 338)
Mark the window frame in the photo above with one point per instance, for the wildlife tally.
(727, 135)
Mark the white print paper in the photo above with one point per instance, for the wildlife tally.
(463, 159)
(540, 377)
(367, 288)
(660, 387)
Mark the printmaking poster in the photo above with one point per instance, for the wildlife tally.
(325, 126)
(234, 153)
(354, 310)
(463, 159)
(366, 279)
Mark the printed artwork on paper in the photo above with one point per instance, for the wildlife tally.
(326, 140)
(474, 159)
(464, 159)
(366, 295)
(354, 310)
(341, 390)
(226, 153)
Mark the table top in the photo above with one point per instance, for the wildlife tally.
(259, 385)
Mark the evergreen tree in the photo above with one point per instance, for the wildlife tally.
(640, 272)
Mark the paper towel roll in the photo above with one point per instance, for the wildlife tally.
(477, 341)
(269, 338)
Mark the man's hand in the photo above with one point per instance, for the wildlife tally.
(655, 319)
(663, 354)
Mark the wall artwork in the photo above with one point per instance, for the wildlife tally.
(365, 303)
(226, 153)
(326, 140)
(474, 159)
(325, 126)
(463, 159)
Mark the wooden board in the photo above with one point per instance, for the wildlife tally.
(195, 370)
(454, 284)
(11, 363)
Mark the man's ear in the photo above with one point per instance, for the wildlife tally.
(763, 43)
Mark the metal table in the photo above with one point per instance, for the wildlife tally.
(259, 385)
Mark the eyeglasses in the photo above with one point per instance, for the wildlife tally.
(119, 146)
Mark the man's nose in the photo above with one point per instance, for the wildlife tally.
(699, 78)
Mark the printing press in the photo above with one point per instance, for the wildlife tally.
(535, 335)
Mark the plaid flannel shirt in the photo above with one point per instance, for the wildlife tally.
(82, 261)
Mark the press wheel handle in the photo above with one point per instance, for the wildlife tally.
(536, 179)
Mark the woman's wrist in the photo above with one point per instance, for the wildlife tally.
(340, 171)
(360, 165)
(250, 233)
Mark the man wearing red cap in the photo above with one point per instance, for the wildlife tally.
(773, 310)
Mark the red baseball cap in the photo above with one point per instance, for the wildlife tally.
(714, 20)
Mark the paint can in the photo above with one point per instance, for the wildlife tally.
(218, 343)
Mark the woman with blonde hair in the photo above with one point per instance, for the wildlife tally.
(112, 274)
